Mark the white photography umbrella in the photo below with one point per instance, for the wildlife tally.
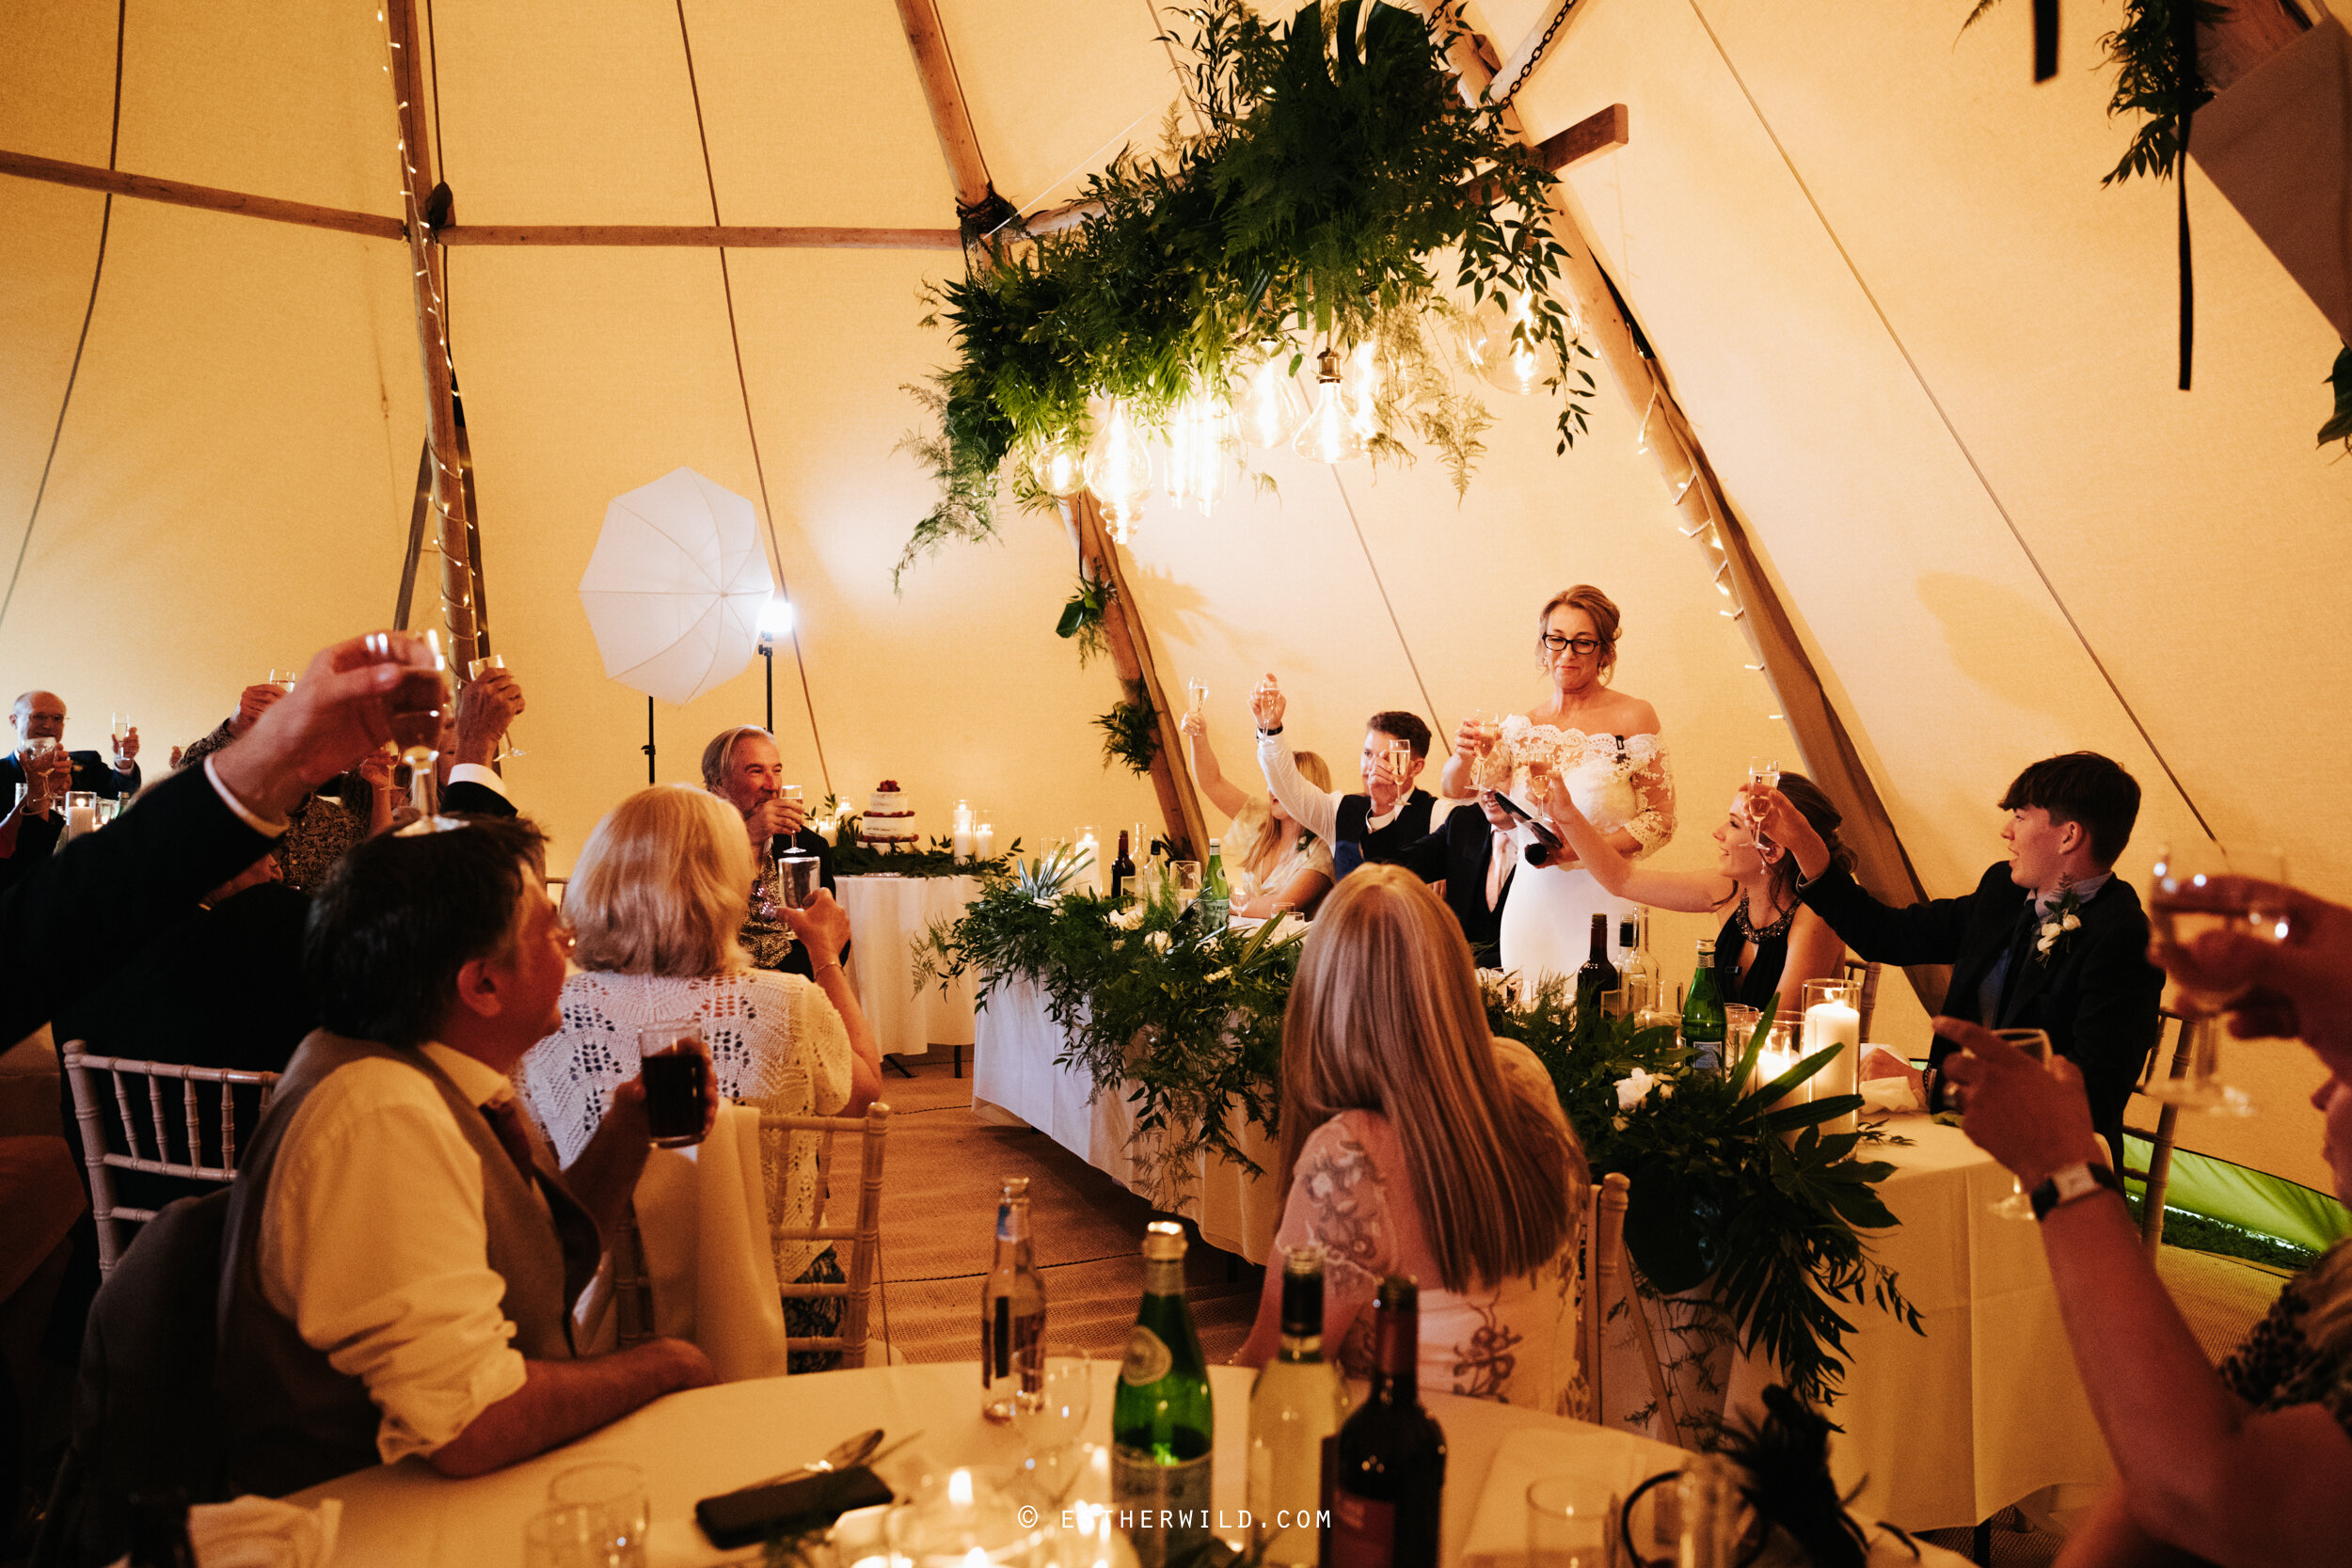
(676, 586)
(675, 589)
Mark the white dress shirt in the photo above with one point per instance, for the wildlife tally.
(1318, 810)
(375, 1244)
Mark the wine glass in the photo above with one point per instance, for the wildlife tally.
(1764, 771)
(414, 707)
(2034, 1043)
(122, 732)
(2188, 897)
(1196, 693)
(1052, 1418)
(473, 672)
(285, 679)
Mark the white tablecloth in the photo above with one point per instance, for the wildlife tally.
(715, 1440)
(1985, 1409)
(887, 916)
(1014, 1078)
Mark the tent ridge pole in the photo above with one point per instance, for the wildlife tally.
(1131, 657)
(179, 193)
(449, 491)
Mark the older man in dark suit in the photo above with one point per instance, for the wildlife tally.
(40, 716)
(2050, 939)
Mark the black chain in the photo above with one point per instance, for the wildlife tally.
(1541, 44)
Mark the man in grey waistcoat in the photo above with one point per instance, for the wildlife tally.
(401, 1257)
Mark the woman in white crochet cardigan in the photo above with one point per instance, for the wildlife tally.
(657, 899)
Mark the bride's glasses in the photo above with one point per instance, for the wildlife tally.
(1582, 647)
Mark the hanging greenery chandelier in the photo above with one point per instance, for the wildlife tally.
(1303, 210)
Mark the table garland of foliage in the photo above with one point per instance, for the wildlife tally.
(1187, 1026)
(1330, 160)
(852, 858)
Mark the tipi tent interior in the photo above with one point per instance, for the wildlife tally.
(1929, 360)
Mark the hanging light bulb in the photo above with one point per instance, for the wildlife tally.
(1501, 343)
(1271, 408)
(1200, 443)
(1118, 463)
(1057, 463)
(1363, 391)
(1329, 434)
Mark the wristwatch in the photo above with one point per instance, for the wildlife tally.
(2065, 1185)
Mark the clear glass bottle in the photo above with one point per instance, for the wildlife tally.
(1012, 1311)
(1163, 1423)
(1638, 971)
(1296, 1402)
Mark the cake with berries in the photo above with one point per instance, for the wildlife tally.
(889, 820)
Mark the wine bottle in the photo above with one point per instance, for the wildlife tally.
(1387, 1462)
(1217, 895)
(1298, 1402)
(1703, 1022)
(1598, 977)
(1163, 1421)
(1122, 868)
(1012, 1311)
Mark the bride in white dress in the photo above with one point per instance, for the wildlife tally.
(1604, 746)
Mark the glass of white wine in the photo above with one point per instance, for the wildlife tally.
(473, 672)
(2034, 1043)
(1196, 693)
(414, 708)
(2196, 888)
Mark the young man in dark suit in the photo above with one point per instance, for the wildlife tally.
(1462, 854)
(2017, 963)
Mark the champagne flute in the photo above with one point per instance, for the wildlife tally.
(473, 672)
(2188, 897)
(414, 710)
(1764, 771)
(1399, 758)
(1197, 692)
(122, 732)
(2034, 1043)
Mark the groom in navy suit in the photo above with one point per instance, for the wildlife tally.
(2049, 940)
(1461, 852)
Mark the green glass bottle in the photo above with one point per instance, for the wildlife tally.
(1163, 1423)
(1702, 1021)
(1217, 895)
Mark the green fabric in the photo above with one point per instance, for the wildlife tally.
(2250, 1199)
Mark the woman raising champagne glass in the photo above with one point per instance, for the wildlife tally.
(1602, 745)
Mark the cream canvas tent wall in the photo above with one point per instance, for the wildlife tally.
(1929, 356)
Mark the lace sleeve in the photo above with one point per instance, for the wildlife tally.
(1653, 824)
(1337, 1202)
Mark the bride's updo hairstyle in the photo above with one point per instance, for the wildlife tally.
(1385, 1015)
(1593, 602)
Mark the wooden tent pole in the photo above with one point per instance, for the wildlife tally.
(980, 210)
(449, 493)
(1130, 655)
(1705, 514)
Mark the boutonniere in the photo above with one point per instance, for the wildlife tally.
(2063, 920)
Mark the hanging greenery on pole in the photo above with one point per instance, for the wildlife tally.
(1328, 189)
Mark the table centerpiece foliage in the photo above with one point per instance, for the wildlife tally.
(937, 859)
(1187, 1026)
(1301, 199)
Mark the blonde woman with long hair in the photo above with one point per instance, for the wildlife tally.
(1272, 862)
(657, 899)
(1414, 1142)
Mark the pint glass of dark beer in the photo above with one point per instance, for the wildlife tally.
(676, 1073)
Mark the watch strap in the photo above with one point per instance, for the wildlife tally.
(2079, 1180)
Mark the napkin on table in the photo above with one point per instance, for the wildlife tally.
(262, 1532)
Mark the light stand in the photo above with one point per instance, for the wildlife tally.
(768, 651)
(775, 620)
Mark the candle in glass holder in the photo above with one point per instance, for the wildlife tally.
(81, 811)
(961, 837)
(1830, 1021)
(984, 841)
(1090, 870)
(964, 817)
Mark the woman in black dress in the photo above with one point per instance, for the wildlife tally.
(1769, 944)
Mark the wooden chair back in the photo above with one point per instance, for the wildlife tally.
(2158, 1176)
(149, 1119)
(1864, 977)
(862, 1262)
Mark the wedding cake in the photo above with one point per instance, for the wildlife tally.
(889, 821)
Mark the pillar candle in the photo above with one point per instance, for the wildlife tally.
(1827, 1024)
(984, 841)
(80, 820)
(962, 836)
(1089, 871)
(964, 817)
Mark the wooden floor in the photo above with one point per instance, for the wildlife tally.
(939, 1210)
(945, 1169)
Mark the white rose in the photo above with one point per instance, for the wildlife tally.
(1128, 917)
(1156, 941)
(1633, 1088)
